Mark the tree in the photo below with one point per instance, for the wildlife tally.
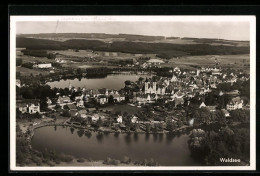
(51, 56)
(66, 113)
(72, 130)
(127, 82)
(79, 71)
(54, 117)
(99, 122)
(110, 99)
(148, 128)
(80, 132)
(43, 104)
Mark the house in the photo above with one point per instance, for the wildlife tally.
(176, 69)
(122, 97)
(80, 103)
(102, 99)
(119, 119)
(43, 65)
(202, 105)
(63, 100)
(18, 82)
(94, 118)
(211, 108)
(225, 112)
(82, 113)
(177, 95)
(235, 103)
(134, 119)
(155, 61)
(49, 102)
(174, 78)
(30, 106)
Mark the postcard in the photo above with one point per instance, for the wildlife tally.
(132, 93)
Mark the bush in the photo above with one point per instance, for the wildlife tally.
(126, 160)
(37, 160)
(110, 161)
(81, 160)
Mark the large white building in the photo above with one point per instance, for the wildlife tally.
(44, 65)
(235, 103)
(29, 106)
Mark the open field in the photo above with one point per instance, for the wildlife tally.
(27, 58)
(234, 61)
(123, 108)
(27, 72)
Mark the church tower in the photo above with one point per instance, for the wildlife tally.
(70, 86)
(145, 87)
(198, 72)
(154, 87)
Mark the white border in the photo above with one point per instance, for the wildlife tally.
(251, 19)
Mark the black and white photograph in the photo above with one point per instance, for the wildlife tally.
(132, 93)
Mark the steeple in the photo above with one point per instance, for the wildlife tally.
(70, 86)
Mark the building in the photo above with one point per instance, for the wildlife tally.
(235, 103)
(63, 100)
(134, 119)
(18, 82)
(155, 61)
(202, 105)
(211, 108)
(225, 112)
(82, 113)
(119, 119)
(102, 99)
(43, 65)
(30, 106)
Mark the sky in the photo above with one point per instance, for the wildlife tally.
(204, 29)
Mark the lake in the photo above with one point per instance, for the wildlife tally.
(166, 149)
(112, 81)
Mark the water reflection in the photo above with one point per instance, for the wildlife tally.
(116, 134)
(88, 134)
(72, 130)
(160, 137)
(147, 135)
(80, 132)
(100, 137)
(154, 137)
(169, 137)
(128, 138)
(164, 148)
(106, 133)
(135, 137)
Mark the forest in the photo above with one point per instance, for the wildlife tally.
(164, 50)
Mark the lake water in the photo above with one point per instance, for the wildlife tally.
(113, 81)
(167, 150)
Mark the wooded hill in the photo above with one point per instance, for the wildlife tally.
(163, 50)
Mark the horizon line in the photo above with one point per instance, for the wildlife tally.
(131, 34)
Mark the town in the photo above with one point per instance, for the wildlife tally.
(206, 88)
